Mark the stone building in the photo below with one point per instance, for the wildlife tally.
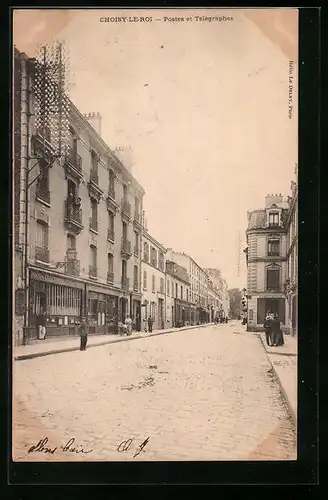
(82, 239)
(198, 286)
(153, 281)
(221, 287)
(266, 255)
(178, 306)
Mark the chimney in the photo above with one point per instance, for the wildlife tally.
(273, 199)
(125, 154)
(95, 121)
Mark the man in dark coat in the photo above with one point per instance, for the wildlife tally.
(268, 330)
(150, 324)
(278, 338)
(83, 330)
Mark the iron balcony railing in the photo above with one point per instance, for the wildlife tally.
(93, 272)
(126, 207)
(42, 192)
(42, 254)
(110, 277)
(125, 283)
(126, 246)
(73, 212)
(73, 267)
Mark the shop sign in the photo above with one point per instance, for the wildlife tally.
(56, 280)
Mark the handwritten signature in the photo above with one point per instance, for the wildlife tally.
(70, 446)
(125, 446)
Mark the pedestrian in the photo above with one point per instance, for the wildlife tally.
(150, 324)
(42, 321)
(278, 338)
(83, 335)
(268, 330)
(128, 322)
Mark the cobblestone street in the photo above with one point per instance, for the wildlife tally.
(201, 394)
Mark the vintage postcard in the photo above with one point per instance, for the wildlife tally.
(155, 234)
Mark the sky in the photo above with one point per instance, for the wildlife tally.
(204, 107)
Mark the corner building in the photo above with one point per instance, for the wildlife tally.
(266, 256)
(83, 232)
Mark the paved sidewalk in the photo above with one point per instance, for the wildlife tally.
(59, 345)
(284, 363)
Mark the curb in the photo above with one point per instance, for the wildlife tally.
(33, 355)
(282, 389)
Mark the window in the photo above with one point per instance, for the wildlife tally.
(161, 286)
(111, 188)
(110, 260)
(145, 280)
(274, 247)
(136, 243)
(42, 186)
(111, 226)
(273, 282)
(71, 242)
(172, 288)
(42, 235)
(176, 290)
(94, 215)
(168, 287)
(124, 231)
(124, 269)
(161, 261)
(137, 208)
(273, 219)
(135, 278)
(125, 193)
(187, 294)
(63, 301)
(93, 256)
(94, 163)
(181, 292)
(153, 256)
(146, 252)
(153, 283)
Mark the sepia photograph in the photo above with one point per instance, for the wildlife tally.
(154, 234)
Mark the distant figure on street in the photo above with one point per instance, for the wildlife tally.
(83, 330)
(150, 324)
(128, 322)
(226, 320)
(278, 338)
(268, 330)
(42, 321)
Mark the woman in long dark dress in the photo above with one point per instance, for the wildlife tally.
(278, 338)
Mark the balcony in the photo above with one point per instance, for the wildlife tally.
(93, 225)
(111, 235)
(94, 189)
(111, 202)
(93, 272)
(42, 193)
(42, 138)
(73, 165)
(73, 215)
(274, 254)
(42, 254)
(73, 267)
(126, 248)
(71, 254)
(125, 282)
(125, 208)
(110, 277)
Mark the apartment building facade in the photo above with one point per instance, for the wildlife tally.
(291, 284)
(83, 230)
(198, 286)
(179, 310)
(221, 288)
(266, 256)
(153, 281)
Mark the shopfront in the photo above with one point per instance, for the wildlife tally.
(182, 313)
(61, 300)
(102, 313)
